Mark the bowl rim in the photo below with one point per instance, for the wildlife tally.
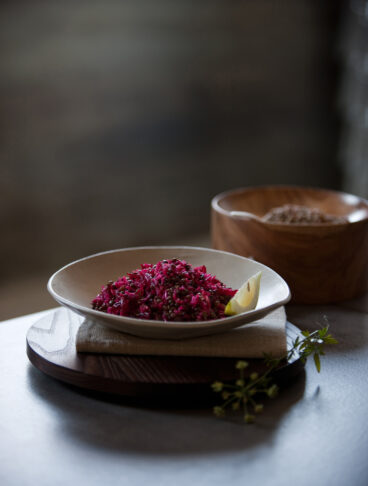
(215, 204)
(158, 324)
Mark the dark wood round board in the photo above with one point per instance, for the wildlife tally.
(51, 349)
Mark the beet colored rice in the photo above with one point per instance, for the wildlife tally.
(170, 290)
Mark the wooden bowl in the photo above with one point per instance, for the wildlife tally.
(322, 263)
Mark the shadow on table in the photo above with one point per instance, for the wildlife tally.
(121, 425)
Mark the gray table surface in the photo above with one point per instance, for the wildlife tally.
(315, 432)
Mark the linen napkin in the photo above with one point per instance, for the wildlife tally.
(266, 335)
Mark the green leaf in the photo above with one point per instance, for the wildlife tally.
(330, 340)
(317, 361)
(323, 332)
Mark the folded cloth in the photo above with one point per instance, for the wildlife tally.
(266, 335)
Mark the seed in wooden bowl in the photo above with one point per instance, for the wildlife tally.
(294, 214)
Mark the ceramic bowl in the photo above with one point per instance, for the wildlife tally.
(322, 263)
(76, 284)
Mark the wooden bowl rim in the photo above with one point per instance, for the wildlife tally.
(215, 204)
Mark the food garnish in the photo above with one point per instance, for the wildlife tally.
(246, 297)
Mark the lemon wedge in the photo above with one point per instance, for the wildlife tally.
(246, 297)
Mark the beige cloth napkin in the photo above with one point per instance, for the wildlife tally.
(266, 335)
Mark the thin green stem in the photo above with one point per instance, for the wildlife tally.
(245, 387)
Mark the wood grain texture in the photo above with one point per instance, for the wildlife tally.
(51, 349)
(321, 263)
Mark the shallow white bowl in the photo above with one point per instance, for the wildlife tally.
(76, 284)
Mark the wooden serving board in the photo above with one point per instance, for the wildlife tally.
(51, 349)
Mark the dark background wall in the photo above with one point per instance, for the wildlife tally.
(121, 119)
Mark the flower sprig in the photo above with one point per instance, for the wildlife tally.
(242, 394)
